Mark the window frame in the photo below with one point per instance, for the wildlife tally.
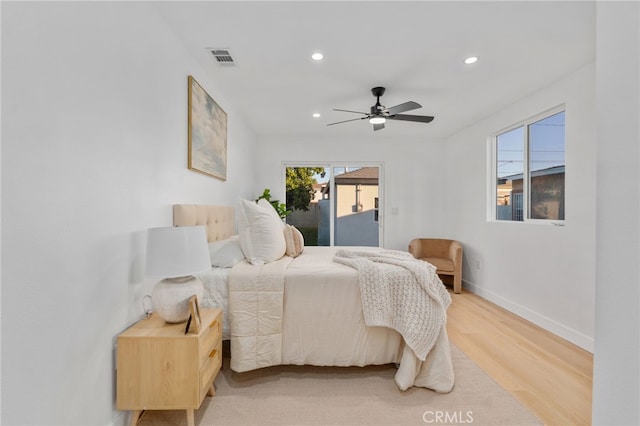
(492, 152)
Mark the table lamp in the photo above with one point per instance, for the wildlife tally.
(175, 253)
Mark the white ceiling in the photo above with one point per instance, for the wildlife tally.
(415, 49)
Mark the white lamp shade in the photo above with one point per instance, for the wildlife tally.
(177, 251)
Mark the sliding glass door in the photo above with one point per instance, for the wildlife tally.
(336, 204)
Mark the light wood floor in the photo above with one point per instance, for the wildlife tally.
(547, 374)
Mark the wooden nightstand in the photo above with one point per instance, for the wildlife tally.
(161, 368)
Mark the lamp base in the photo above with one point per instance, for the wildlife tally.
(171, 296)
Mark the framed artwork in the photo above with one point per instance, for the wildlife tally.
(195, 321)
(207, 133)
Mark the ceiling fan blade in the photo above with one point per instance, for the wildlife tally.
(407, 117)
(346, 110)
(407, 106)
(378, 126)
(346, 121)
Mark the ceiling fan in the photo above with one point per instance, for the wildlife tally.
(379, 113)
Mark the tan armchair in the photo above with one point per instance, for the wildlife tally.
(445, 255)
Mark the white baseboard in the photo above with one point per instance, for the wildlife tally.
(121, 418)
(567, 333)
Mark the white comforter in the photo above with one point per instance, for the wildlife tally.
(308, 310)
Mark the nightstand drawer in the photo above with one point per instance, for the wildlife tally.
(211, 366)
(210, 337)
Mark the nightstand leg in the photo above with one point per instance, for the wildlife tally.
(135, 416)
(190, 418)
(212, 391)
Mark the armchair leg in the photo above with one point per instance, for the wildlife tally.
(457, 284)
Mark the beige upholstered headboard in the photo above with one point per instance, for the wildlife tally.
(219, 220)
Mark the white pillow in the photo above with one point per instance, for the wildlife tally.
(226, 253)
(294, 240)
(260, 231)
(267, 205)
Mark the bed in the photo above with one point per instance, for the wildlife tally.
(306, 309)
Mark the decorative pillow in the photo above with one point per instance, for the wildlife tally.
(267, 205)
(226, 253)
(260, 231)
(294, 240)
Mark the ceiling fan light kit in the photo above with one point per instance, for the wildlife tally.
(379, 114)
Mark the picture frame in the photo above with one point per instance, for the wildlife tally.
(194, 309)
(207, 133)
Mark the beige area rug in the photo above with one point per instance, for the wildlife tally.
(294, 395)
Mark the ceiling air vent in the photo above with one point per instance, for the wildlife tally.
(223, 56)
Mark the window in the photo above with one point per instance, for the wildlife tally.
(529, 170)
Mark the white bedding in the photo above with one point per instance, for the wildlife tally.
(320, 321)
(216, 294)
(323, 322)
(320, 314)
(256, 298)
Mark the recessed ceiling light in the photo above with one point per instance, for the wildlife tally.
(317, 56)
(471, 60)
(316, 115)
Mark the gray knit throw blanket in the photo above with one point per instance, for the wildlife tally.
(402, 293)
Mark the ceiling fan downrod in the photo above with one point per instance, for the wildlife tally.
(377, 108)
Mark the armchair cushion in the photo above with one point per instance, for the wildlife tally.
(442, 265)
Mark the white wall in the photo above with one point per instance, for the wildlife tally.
(412, 176)
(616, 376)
(541, 272)
(94, 151)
